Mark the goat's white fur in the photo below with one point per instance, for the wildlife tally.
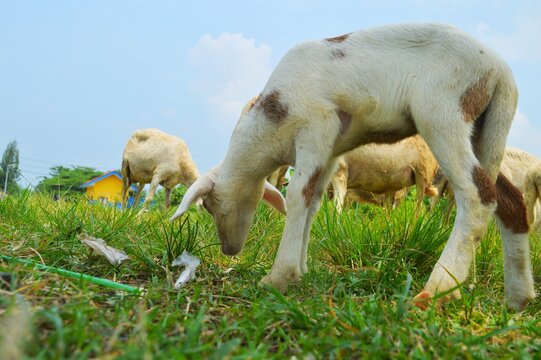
(152, 156)
(386, 169)
(392, 82)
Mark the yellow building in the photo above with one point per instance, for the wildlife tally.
(106, 188)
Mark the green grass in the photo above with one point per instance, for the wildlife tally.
(355, 302)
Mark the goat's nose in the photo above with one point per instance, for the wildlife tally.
(231, 249)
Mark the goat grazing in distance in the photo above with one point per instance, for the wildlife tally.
(152, 156)
(532, 196)
(522, 169)
(386, 169)
(378, 85)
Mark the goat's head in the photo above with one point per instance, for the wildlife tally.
(232, 204)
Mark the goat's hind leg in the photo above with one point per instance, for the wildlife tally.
(513, 224)
(475, 195)
(168, 197)
(137, 197)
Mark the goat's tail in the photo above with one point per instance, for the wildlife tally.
(489, 140)
(492, 128)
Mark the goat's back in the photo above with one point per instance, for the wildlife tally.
(148, 150)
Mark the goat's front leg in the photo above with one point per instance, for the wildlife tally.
(303, 199)
(301, 190)
(314, 164)
(321, 185)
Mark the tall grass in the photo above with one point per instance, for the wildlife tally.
(365, 266)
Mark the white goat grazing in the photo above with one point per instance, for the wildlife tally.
(386, 169)
(520, 167)
(152, 156)
(379, 85)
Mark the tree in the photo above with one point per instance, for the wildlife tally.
(64, 180)
(9, 172)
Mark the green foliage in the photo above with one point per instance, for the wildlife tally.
(64, 180)
(9, 168)
(354, 303)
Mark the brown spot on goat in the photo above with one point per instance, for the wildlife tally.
(475, 100)
(338, 39)
(485, 187)
(511, 207)
(345, 121)
(310, 188)
(273, 109)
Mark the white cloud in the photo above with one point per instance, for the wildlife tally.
(522, 43)
(524, 135)
(231, 69)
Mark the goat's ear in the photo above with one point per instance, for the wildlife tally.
(200, 188)
(274, 198)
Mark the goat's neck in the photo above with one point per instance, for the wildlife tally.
(249, 154)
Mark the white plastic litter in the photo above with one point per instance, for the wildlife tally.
(99, 246)
(191, 262)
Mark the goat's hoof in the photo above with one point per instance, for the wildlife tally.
(281, 281)
(519, 303)
(269, 281)
(423, 300)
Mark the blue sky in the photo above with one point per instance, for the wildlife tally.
(77, 78)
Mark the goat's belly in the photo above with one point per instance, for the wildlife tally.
(383, 182)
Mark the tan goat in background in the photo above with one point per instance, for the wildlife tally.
(386, 169)
(152, 156)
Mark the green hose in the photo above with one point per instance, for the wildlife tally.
(73, 274)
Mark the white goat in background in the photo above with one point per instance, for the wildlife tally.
(532, 195)
(378, 85)
(521, 168)
(155, 157)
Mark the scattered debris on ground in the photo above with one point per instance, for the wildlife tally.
(191, 262)
(99, 246)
